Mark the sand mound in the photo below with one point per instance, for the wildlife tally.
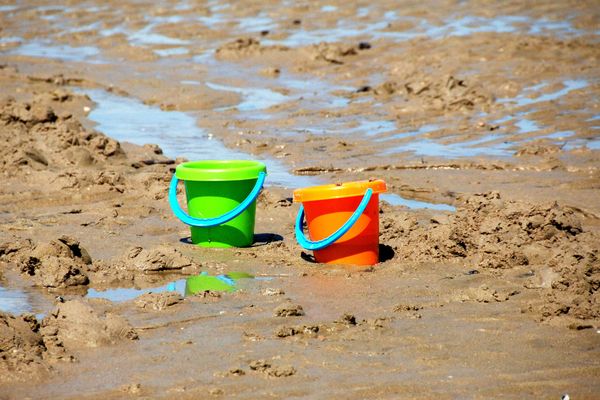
(243, 48)
(84, 323)
(333, 53)
(436, 93)
(489, 232)
(157, 259)
(36, 136)
(58, 264)
(21, 348)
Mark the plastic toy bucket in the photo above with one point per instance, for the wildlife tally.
(342, 220)
(221, 200)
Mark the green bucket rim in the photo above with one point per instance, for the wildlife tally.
(219, 170)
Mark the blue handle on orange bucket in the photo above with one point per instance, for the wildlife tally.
(321, 244)
(208, 222)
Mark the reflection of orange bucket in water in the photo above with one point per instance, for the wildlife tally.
(342, 220)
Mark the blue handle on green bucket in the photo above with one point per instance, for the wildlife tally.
(208, 222)
(321, 244)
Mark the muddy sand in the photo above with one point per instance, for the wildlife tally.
(482, 119)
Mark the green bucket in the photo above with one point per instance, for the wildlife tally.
(221, 199)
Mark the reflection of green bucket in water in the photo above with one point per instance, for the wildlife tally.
(221, 283)
(221, 198)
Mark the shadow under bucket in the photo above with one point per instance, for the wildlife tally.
(221, 200)
(342, 220)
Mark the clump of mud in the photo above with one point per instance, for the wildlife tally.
(63, 263)
(84, 323)
(333, 53)
(245, 47)
(21, 348)
(438, 94)
(157, 259)
(58, 264)
(138, 261)
(491, 233)
(38, 137)
(158, 301)
(28, 348)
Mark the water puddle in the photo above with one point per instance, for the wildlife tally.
(14, 301)
(185, 287)
(590, 143)
(7, 8)
(403, 135)
(253, 99)
(307, 91)
(190, 82)
(10, 40)
(314, 93)
(397, 200)
(455, 26)
(174, 51)
(145, 37)
(127, 119)
(527, 126)
(58, 52)
(341, 126)
(525, 98)
(427, 147)
(247, 24)
(126, 294)
(82, 28)
(562, 135)
(256, 24)
(18, 297)
(373, 128)
(470, 24)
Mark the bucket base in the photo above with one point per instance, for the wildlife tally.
(354, 252)
(223, 236)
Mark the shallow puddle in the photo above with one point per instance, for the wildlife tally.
(126, 294)
(372, 128)
(14, 301)
(427, 128)
(397, 200)
(470, 24)
(590, 143)
(259, 94)
(526, 97)
(174, 51)
(464, 26)
(6, 8)
(185, 287)
(527, 126)
(472, 148)
(130, 120)
(58, 52)
(18, 297)
(146, 36)
(253, 99)
(177, 134)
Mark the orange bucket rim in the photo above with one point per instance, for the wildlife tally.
(339, 190)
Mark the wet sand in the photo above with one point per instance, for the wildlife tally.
(482, 119)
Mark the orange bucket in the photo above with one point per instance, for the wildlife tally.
(342, 220)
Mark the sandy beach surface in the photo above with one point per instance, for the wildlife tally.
(482, 117)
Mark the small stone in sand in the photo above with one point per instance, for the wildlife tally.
(289, 309)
